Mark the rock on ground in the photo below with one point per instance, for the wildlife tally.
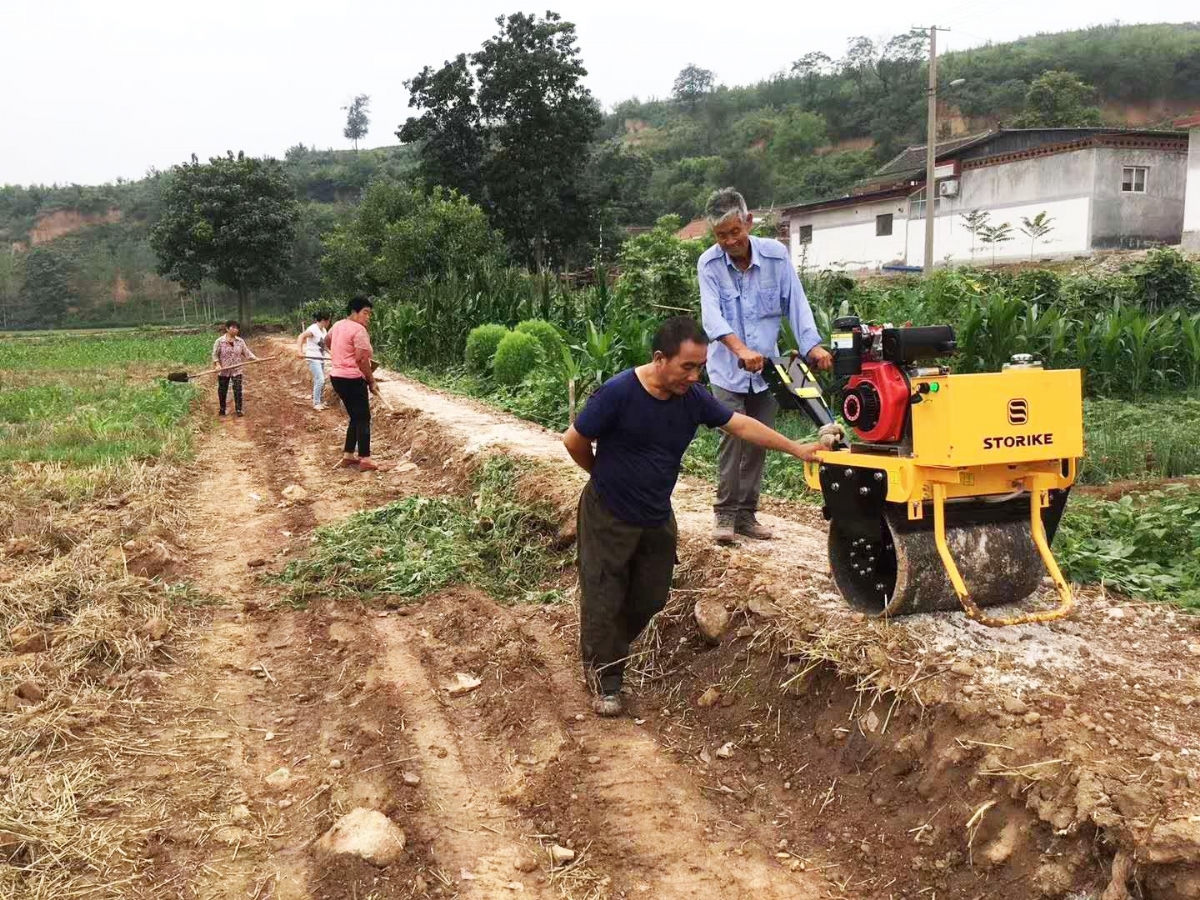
(365, 833)
(712, 619)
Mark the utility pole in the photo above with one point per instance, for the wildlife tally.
(931, 150)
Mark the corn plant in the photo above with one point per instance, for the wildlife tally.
(1189, 327)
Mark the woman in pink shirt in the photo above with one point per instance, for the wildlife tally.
(351, 377)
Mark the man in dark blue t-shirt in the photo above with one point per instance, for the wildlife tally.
(642, 421)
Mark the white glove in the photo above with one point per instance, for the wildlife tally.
(829, 436)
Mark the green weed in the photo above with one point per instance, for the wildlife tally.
(419, 545)
(1145, 545)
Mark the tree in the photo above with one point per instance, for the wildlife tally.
(449, 132)
(400, 236)
(232, 219)
(10, 285)
(46, 292)
(1059, 100)
(534, 122)
(1036, 229)
(995, 234)
(357, 120)
(975, 222)
(691, 84)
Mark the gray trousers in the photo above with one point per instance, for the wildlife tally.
(740, 464)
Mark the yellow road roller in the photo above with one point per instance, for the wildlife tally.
(952, 487)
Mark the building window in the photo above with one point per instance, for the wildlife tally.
(806, 234)
(917, 208)
(1133, 180)
(883, 225)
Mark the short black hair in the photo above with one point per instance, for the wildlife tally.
(231, 324)
(321, 315)
(672, 334)
(358, 304)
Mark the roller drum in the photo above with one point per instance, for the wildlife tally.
(900, 570)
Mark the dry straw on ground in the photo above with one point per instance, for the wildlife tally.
(64, 578)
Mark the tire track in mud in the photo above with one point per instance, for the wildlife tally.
(639, 817)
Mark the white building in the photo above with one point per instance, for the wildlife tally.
(1101, 188)
(1191, 209)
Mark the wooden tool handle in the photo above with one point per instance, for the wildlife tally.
(238, 366)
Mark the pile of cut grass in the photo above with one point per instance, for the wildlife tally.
(419, 545)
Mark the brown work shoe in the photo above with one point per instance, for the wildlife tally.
(723, 528)
(608, 706)
(749, 526)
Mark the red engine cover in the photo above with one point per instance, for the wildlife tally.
(892, 390)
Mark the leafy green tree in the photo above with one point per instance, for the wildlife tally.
(542, 120)
(10, 285)
(975, 222)
(449, 132)
(400, 236)
(46, 292)
(358, 119)
(232, 219)
(1036, 229)
(534, 122)
(1059, 100)
(692, 84)
(658, 270)
(995, 234)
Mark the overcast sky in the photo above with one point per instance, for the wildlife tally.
(94, 90)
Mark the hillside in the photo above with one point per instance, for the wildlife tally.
(815, 129)
(100, 235)
(808, 132)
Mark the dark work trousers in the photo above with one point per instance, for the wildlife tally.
(353, 392)
(624, 579)
(223, 382)
(739, 463)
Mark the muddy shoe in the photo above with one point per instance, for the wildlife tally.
(366, 465)
(750, 527)
(723, 529)
(608, 705)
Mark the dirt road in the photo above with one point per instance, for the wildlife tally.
(351, 702)
(811, 755)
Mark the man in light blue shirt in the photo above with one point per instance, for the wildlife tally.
(747, 286)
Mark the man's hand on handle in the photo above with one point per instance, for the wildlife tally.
(820, 358)
(750, 360)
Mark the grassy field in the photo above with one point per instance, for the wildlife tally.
(92, 400)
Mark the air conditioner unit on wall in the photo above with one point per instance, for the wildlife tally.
(948, 188)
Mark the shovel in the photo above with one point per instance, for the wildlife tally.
(185, 377)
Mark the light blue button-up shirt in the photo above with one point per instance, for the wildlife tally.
(752, 305)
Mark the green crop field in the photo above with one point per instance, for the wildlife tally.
(85, 400)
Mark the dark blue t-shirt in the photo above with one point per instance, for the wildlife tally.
(640, 442)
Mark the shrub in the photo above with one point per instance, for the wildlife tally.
(518, 355)
(482, 344)
(546, 334)
(1165, 278)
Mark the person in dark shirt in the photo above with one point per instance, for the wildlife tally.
(642, 421)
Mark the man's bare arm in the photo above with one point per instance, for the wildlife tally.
(756, 432)
(580, 449)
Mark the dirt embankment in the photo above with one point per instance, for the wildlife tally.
(62, 222)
